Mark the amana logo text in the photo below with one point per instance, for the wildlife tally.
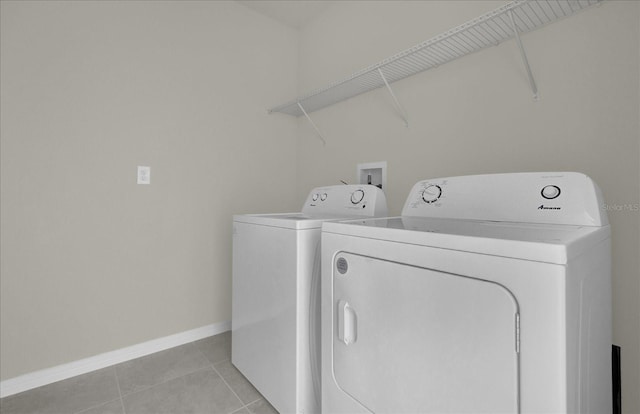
(543, 207)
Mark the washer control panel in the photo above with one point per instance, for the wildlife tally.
(357, 196)
(346, 200)
(431, 193)
(555, 198)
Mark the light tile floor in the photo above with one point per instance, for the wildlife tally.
(194, 378)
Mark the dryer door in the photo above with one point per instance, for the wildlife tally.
(414, 340)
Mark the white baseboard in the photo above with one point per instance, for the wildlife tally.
(82, 366)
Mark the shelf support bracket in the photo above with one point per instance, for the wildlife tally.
(312, 124)
(532, 81)
(399, 108)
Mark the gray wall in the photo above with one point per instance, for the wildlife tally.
(476, 115)
(92, 262)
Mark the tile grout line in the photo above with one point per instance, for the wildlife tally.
(119, 398)
(241, 408)
(165, 381)
(212, 364)
(256, 400)
(250, 403)
(95, 406)
(229, 386)
(115, 372)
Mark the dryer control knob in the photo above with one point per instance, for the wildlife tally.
(314, 197)
(550, 192)
(357, 196)
(323, 197)
(432, 193)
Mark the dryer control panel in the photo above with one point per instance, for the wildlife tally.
(555, 197)
(346, 200)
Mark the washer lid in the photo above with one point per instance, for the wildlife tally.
(295, 221)
(538, 242)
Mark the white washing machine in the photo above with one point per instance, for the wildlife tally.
(489, 294)
(276, 293)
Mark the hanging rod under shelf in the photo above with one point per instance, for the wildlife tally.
(489, 29)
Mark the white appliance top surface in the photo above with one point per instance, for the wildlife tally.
(537, 242)
(337, 202)
(542, 216)
(295, 221)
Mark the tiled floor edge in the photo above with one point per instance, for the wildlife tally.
(82, 366)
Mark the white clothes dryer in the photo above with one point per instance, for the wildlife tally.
(489, 294)
(276, 293)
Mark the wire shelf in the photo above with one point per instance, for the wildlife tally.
(487, 30)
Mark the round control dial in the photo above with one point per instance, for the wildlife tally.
(550, 192)
(323, 197)
(431, 193)
(357, 196)
(314, 197)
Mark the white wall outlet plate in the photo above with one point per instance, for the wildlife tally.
(144, 175)
(374, 173)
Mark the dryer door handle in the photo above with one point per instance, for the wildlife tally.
(347, 323)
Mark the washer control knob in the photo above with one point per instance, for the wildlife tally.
(431, 193)
(550, 192)
(323, 197)
(357, 196)
(314, 197)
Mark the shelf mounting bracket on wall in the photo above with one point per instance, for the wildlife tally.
(532, 81)
(312, 124)
(399, 108)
